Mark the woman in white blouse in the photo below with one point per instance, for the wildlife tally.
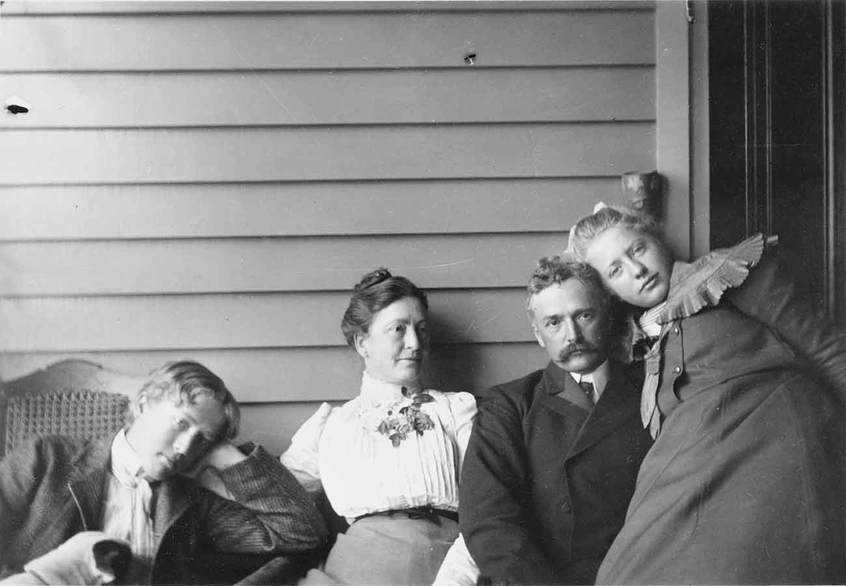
(388, 460)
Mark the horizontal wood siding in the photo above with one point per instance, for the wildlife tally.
(123, 100)
(325, 208)
(209, 180)
(267, 264)
(325, 153)
(283, 374)
(327, 41)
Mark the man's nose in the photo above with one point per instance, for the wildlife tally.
(185, 442)
(572, 332)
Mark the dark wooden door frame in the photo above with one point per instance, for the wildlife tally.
(777, 71)
(836, 157)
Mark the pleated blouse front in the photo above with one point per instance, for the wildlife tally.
(361, 469)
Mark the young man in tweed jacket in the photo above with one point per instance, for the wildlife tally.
(171, 484)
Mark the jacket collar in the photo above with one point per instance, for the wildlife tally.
(561, 385)
(88, 476)
(617, 404)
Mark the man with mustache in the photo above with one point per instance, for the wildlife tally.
(553, 456)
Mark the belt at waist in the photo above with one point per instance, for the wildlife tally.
(429, 513)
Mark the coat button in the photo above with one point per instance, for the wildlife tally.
(677, 369)
(567, 508)
(676, 331)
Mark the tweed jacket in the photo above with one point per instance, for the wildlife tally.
(53, 487)
(548, 476)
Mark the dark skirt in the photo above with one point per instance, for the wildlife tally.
(387, 549)
(744, 484)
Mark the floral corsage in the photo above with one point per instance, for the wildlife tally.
(401, 421)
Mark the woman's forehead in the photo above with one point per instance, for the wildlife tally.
(613, 241)
(407, 308)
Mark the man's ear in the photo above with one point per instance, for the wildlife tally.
(138, 407)
(541, 343)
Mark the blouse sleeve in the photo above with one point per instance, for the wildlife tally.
(463, 408)
(302, 457)
(458, 567)
(769, 295)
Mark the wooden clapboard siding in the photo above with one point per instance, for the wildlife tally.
(209, 180)
(272, 41)
(311, 6)
(110, 212)
(246, 320)
(273, 424)
(268, 264)
(279, 374)
(230, 98)
(326, 153)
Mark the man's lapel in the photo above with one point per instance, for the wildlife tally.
(564, 396)
(87, 480)
(173, 499)
(619, 403)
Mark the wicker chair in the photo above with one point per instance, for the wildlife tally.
(73, 398)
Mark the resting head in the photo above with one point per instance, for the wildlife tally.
(628, 252)
(386, 322)
(570, 312)
(182, 410)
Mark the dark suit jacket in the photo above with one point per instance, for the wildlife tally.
(52, 488)
(547, 477)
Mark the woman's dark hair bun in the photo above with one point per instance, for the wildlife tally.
(373, 278)
(374, 292)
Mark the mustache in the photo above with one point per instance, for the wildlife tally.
(571, 349)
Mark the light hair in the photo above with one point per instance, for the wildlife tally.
(181, 382)
(556, 270)
(589, 227)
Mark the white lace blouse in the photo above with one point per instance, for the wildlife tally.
(362, 470)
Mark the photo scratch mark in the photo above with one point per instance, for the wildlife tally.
(446, 264)
(255, 73)
(534, 152)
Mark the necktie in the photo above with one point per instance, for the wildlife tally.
(587, 387)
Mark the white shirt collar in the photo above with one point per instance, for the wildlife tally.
(599, 377)
(126, 466)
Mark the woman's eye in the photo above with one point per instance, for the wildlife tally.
(614, 272)
(587, 316)
(180, 423)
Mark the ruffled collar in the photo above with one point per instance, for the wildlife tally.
(702, 283)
